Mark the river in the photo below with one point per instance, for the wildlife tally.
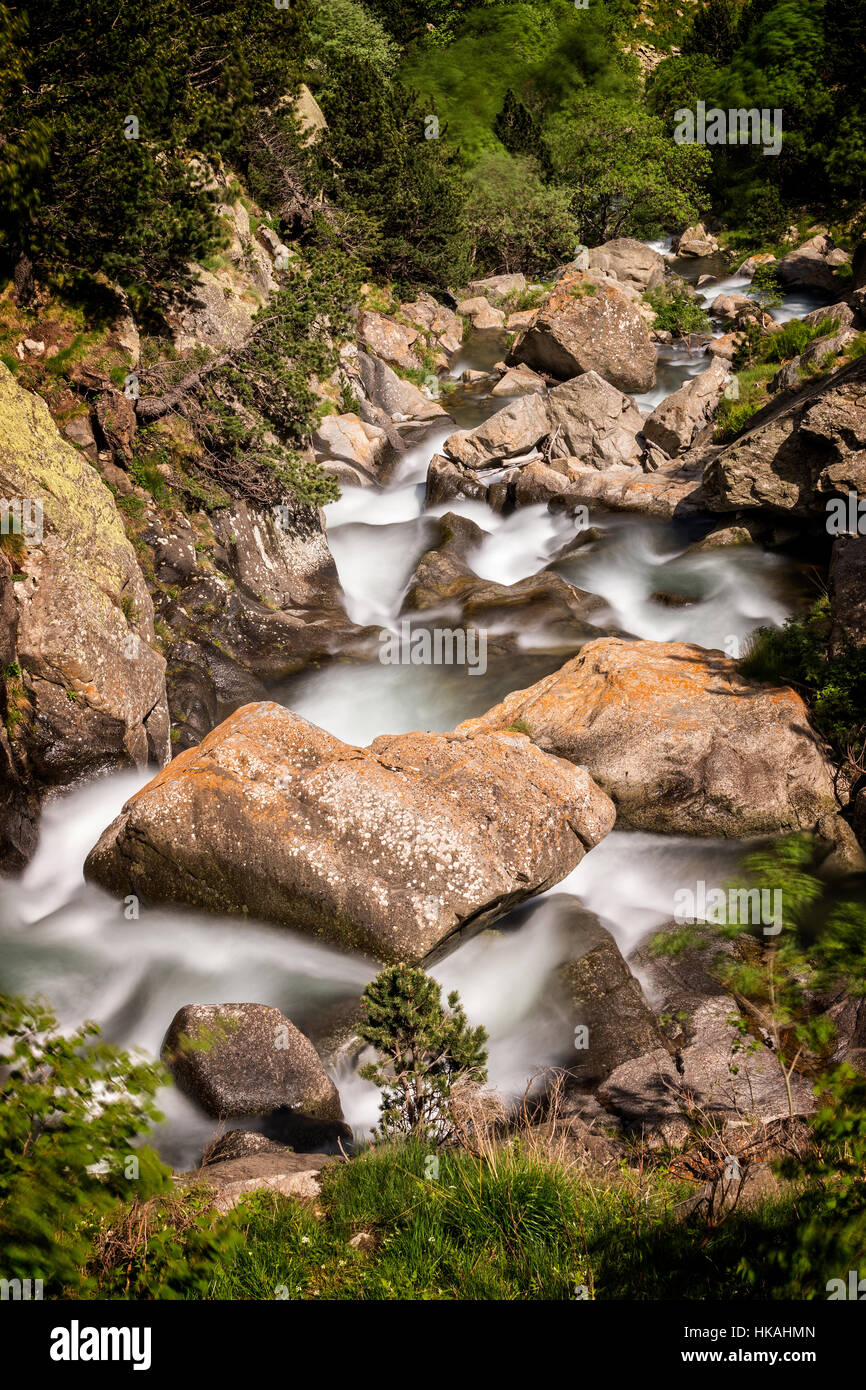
(71, 944)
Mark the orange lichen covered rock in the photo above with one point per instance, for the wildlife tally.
(678, 738)
(388, 849)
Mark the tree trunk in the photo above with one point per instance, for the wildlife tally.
(24, 281)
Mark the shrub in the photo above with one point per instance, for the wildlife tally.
(676, 311)
(423, 1050)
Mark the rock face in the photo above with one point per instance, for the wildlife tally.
(583, 326)
(79, 623)
(385, 389)
(798, 452)
(247, 1059)
(812, 265)
(442, 325)
(848, 591)
(346, 439)
(260, 602)
(686, 417)
(519, 381)
(629, 261)
(679, 739)
(586, 418)
(384, 337)
(389, 849)
(605, 1000)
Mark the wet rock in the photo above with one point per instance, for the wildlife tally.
(682, 742)
(445, 583)
(686, 417)
(583, 326)
(247, 1059)
(629, 261)
(390, 849)
(586, 418)
(605, 1000)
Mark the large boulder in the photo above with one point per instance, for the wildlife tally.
(585, 418)
(799, 450)
(389, 849)
(346, 439)
(686, 417)
(813, 265)
(247, 1059)
(712, 1083)
(78, 621)
(629, 261)
(481, 313)
(680, 740)
(585, 326)
(499, 287)
(696, 242)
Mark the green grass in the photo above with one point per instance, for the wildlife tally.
(513, 1225)
(734, 414)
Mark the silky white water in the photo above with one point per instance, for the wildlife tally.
(73, 945)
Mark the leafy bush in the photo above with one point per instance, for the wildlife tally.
(513, 221)
(833, 681)
(73, 1114)
(423, 1051)
(676, 311)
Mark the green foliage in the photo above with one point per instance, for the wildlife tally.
(73, 1115)
(84, 1204)
(833, 680)
(714, 30)
(513, 220)
(626, 177)
(766, 287)
(737, 408)
(401, 195)
(676, 310)
(74, 190)
(423, 1050)
(540, 53)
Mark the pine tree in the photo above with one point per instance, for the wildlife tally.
(423, 1050)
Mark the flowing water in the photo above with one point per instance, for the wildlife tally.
(72, 944)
